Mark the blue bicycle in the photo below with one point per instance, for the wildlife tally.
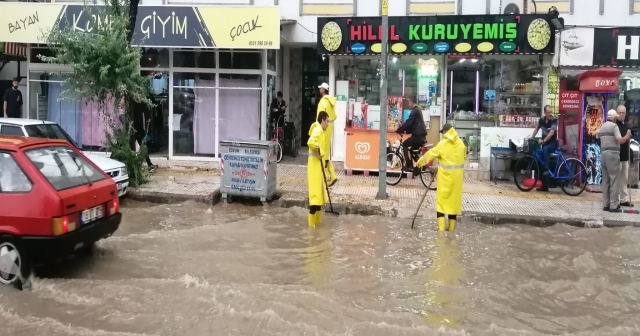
(570, 174)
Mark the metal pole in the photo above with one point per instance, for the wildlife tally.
(382, 164)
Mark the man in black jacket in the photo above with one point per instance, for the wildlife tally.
(416, 127)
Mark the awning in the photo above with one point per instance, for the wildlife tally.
(14, 49)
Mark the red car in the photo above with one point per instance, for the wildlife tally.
(53, 202)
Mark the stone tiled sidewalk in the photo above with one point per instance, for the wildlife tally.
(483, 200)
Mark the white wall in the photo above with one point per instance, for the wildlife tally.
(11, 70)
(585, 12)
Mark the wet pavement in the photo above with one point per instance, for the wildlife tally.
(186, 269)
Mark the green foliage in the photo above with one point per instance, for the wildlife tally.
(106, 68)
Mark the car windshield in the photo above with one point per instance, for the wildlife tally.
(49, 131)
(63, 167)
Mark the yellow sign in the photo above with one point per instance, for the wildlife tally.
(385, 7)
(239, 27)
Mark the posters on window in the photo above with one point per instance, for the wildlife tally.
(593, 119)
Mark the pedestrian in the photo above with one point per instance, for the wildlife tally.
(624, 156)
(315, 176)
(451, 153)
(277, 108)
(327, 104)
(12, 106)
(549, 142)
(610, 141)
(141, 121)
(416, 127)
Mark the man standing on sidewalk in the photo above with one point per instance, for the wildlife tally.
(327, 104)
(624, 156)
(12, 106)
(549, 142)
(610, 141)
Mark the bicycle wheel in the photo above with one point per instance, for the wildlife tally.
(572, 177)
(425, 178)
(395, 162)
(525, 173)
(278, 151)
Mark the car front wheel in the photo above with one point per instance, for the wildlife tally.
(15, 266)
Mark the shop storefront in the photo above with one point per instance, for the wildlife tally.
(484, 74)
(600, 69)
(213, 73)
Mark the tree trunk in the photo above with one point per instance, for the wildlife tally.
(133, 15)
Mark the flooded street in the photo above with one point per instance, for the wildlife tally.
(238, 270)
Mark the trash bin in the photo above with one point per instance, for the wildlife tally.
(249, 169)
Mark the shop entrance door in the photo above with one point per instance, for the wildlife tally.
(315, 71)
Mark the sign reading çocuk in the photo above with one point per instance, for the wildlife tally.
(454, 34)
(617, 47)
(157, 26)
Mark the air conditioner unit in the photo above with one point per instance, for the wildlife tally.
(511, 9)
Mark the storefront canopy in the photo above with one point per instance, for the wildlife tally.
(447, 34)
(599, 80)
(240, 27)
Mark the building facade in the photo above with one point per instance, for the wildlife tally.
(235, 83)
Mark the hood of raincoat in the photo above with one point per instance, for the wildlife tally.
(330, 99)
(451, 135)
(313, 126)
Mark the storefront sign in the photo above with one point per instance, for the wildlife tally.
(617, 47)
(454, 34)
(569, 100)
(247, 27)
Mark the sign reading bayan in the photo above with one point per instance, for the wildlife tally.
(449, 34)
(237, 27)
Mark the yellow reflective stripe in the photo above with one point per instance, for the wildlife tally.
(450, 167)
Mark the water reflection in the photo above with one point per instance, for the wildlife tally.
(318, 255)
(442, 294)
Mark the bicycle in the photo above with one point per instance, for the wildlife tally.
(277, 136)
(568, 173)
(396, 161)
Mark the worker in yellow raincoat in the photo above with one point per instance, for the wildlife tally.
(443, 293)
(327, 104)
(451, 153)
(315, 176)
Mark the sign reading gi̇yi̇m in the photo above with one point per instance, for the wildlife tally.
(244, 169)
(569, 100)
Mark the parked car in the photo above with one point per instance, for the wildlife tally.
(54, 202)
(50, 130)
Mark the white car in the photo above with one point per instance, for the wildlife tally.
(50, 130)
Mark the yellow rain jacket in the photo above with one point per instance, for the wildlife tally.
(327, 104)
(315, 179)
(451, 153)
(442, 293)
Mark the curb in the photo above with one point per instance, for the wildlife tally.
(170, 198)
(291, 200)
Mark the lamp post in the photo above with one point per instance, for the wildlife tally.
(382, 164)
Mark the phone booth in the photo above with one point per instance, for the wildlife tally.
(596, 87)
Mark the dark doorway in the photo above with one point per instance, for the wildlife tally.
(315, 71)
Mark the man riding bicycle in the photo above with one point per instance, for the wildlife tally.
(549, 142)
(416, 127)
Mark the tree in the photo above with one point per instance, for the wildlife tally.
(106, 69)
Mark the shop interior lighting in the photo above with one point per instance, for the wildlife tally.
(395, 59)
(474, 60)
(462, 60)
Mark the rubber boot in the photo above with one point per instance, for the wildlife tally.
(332, 174)
(318, 217)
(452, 224)
(441, 223)
(312, 219)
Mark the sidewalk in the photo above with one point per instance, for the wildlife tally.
(485, 201)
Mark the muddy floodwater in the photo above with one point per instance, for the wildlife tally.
(250, 270)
